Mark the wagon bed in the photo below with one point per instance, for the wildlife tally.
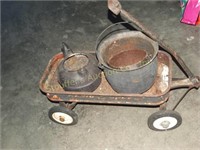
(156, 95)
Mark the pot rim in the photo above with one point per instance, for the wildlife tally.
(139, 34)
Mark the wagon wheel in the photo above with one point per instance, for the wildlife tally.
(164, 120)
(62, 115)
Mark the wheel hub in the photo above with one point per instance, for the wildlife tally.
(62, 118)
(165, 124)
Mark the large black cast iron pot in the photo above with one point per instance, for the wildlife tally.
(78, 72)
(129, 61)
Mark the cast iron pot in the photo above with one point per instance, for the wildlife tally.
(78, 72)
(129, 61)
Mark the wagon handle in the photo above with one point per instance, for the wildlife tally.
(185, 83)
(116, 8)
(180, 83)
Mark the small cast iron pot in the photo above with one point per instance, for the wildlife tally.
(78, 72)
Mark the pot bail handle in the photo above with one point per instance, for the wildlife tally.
(110, 30)
(67, 52)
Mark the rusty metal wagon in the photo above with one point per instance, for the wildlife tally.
(157, 95)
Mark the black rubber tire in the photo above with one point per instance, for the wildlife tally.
(161, 114)
(64, 112)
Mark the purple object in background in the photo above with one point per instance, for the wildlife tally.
(191, 12)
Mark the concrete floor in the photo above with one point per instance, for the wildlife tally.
(32, 33)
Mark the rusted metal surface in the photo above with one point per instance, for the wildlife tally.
(196, 82)
(181, 83)
(163, 106)
(104, 94)
(68, 105)
(116, 8)
(118, 100)
(127, 58)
